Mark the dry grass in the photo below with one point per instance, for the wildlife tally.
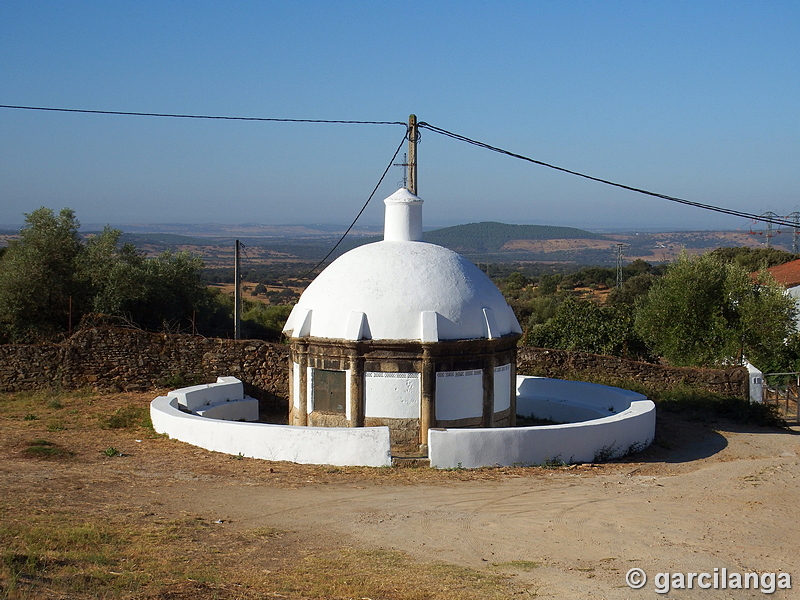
(68, 529)
(53, 553)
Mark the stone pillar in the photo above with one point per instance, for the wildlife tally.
(292, 391)
(488, 390)
(427, 408)
(302, 417)
(356, 365)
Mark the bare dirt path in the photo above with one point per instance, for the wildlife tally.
(574, 532)
(703, 498)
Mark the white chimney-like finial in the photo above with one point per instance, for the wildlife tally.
(403, 220)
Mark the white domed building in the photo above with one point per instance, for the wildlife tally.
(402, 333)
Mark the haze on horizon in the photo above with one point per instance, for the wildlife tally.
(695, 100)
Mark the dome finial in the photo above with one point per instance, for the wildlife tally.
(403, 220)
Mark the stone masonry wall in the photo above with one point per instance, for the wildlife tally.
(112, 358)
(562, 364)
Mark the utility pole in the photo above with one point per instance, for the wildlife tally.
(403, 164)
(237, 296)
(620, 248)
(768, 233)
(413, 136)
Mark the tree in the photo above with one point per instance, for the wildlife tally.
(585, 326)
(113, 274)
(264, 322)
(631, 290)
(50, 278)
(39, 293)
(705, 311)
(171, 292)
(754, 259)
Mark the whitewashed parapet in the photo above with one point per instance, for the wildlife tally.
(198, 396)
(224, 400)
(629, 426)
(361, 446)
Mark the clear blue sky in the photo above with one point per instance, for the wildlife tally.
(699, 100)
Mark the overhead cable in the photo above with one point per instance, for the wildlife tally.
(184, 116)
(727, 211)
(736, 213)
(363, 208)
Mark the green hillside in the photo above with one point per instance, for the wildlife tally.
(490, 236)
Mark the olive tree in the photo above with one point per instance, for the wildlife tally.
(706, 311)
(50, 277)
(585, 326)
(38, 290)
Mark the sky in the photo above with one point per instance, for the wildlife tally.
(697, 100)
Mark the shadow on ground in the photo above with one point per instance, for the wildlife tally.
(682, 440)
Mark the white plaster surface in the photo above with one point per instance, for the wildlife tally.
(245, 409)
(570, 401)
(459, 394)
(309, 390)
(392, 395)
(502, 388)
(348, 374)
(756, 379)
(406, 289)
(361, 446)
(197, 396)
(295, 385)
(403, 217)
(630, 427)
(794, 292)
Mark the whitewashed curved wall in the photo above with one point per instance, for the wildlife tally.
(356, 446)
(630, 425)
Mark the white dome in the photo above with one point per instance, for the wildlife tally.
(402, 290)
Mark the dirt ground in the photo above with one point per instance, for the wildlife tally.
(703, 497)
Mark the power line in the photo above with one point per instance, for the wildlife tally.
(363, 208)
(727, 211)
(185, 116)
(766, 219)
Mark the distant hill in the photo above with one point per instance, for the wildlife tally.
(167, 240)
(489, 236)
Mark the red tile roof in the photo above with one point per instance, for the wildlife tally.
(787, 274)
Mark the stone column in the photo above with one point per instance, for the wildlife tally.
(292, 391)
(356, 365)
(427, 408)
(302, 417)
(488, 390)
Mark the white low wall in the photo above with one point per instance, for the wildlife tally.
(570, 401)
(362, 446)
(223, 400)
(245, 409)
(629, 426)
(199, 396)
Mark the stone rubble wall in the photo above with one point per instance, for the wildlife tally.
(131, 360)
(610, 370)
(119, 359)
